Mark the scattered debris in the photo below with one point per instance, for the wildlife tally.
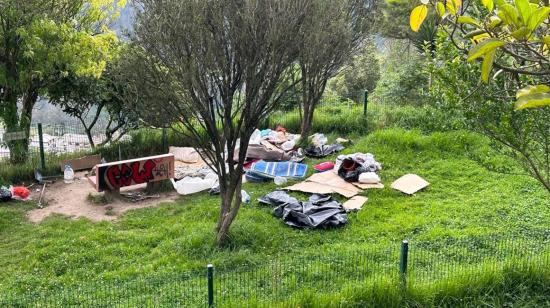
(355, 203)
(138, 196)
(5, 194)
(290, 170)
(319, 212)
(322, 167)
(323, 150)
(190, 185)
(409, 184)
(326, 183)
(20, 193)
(41, 196)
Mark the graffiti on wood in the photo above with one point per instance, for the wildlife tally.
(113, 176)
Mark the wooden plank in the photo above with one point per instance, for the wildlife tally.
(12, 136)
(113, 176)
(83, 163)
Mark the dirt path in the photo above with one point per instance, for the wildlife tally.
(72, 200)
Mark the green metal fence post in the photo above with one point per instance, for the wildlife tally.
(210, 275)
(403, 261)
(41, 142)
(365, 102)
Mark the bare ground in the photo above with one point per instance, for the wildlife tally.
(72, 200)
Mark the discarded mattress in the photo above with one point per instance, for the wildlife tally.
(319, 212)
(285, 169)
(409, 184)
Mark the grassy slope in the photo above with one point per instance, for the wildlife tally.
(465, 200)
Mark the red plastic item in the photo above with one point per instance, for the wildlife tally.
(20, 192)
(326, 166)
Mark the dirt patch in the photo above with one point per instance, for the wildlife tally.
(72, 200)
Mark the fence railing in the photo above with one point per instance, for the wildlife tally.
(309, 276)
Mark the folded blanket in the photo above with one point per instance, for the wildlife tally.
(283, 169)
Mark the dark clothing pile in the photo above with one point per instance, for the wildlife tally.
(323, 150)
(319, 212)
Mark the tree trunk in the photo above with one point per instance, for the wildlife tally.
(19, 149)
(230, 205)
(307, 120)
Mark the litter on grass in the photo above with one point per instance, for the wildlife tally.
(320, 211)
(409, 184)
(326, 183)
(271, 170)
(355, 203)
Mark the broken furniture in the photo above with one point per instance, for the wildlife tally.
(112, 176)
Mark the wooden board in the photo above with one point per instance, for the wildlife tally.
(15, 136)
(113, 176)
(83, 163)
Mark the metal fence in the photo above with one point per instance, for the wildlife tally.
(309, 277)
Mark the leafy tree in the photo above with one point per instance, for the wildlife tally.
(512, 37)
(404, 79)
(215, 68)
(90, 99)
(43, 43)
(524, 135)
(361, 74)
(335, 30)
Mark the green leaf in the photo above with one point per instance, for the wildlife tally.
(487, 65)
(440, 9)
(533, 101)
(541, 88)
(467, 20)
(488, 4)
(521, 33)
(524, 10)
(417, 17)
(484, 47)
(494, 22)
(510, 15)
(538, 17)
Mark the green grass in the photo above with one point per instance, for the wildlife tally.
(466, 205)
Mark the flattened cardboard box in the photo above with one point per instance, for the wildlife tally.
(409, 184)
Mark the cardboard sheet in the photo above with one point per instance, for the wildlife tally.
(409, 184)
(355, 203)
(326, 183)
(369, 186)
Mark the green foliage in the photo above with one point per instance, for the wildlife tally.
(514, 34)
(40, 44)
(489, 109)
(404, 81)
(361, 74)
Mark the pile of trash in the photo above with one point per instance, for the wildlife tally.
(14, 193)
(320, 211)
